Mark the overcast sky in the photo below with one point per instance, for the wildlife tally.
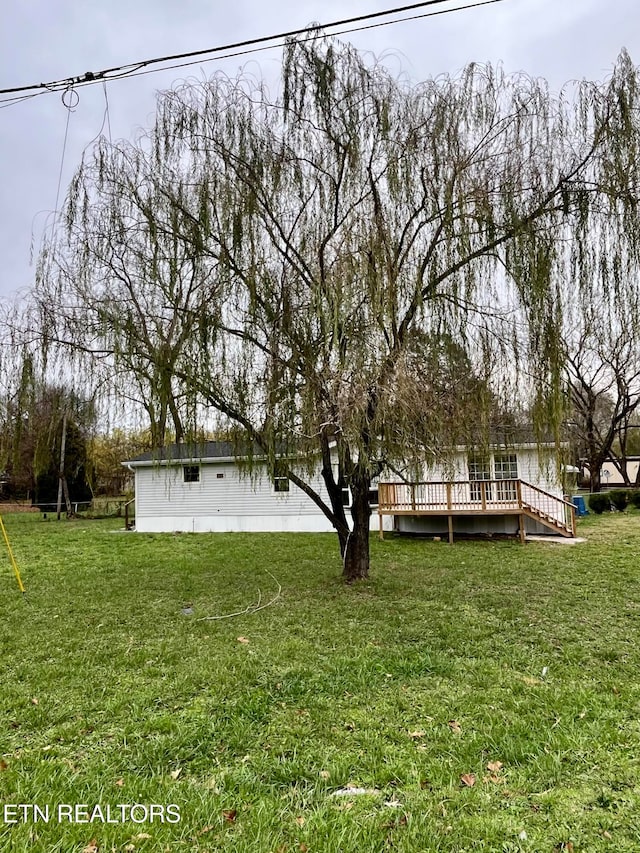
(42, 41)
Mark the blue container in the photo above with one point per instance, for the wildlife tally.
(579, 504)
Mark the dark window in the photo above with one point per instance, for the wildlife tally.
(191, 473)
(346, 497)
(220, 476)
(373, 497)
(280, 479)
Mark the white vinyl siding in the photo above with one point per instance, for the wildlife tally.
(534, 465)
(225, 500)
(161, 491)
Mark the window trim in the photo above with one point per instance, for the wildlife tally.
(191, 474)
(281, 485)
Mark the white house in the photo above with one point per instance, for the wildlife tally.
(506, 490)
(611, 476)
(205, 489)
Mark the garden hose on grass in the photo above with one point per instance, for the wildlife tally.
(11, 557)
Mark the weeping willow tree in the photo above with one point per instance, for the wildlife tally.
(350, 237)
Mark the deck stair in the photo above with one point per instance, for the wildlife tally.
(478, 497)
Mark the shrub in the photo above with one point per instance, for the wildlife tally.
(600, 502)
(619, 498)
(634, 498)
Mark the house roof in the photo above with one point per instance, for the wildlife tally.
(219, 451)
(198, 452)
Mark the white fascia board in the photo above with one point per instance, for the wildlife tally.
(152, 463)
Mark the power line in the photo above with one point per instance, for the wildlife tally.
(251, 45)
(139, 73)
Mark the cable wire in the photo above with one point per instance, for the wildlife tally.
(136, 68)
(139, 73)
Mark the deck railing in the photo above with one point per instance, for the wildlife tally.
(482, 497)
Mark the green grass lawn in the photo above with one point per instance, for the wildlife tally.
(514, 667)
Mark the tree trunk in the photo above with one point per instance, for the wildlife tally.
(61, 477)
(356, 554)
(335, 491)
(595, 467)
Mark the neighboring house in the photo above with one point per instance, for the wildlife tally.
(204, 488)
(611, 476)
(508, 489)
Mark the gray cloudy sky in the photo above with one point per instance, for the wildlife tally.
(42, 41)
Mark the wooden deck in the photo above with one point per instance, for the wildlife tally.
(477, 497)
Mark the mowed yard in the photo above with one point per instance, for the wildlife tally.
(485, 695)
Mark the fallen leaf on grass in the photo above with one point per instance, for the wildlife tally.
(35, 701)
(303, 848)
(563, 847)
(455, 727)
(300, 821)
(242, 640)
(495, 766)
(141, 836)
(531, 682)
(92, 847)
(416, 735)
(206, 829)
(468, 780)
(3, 764)
(324, 774)
(175, 773)
(120, 783)
(230, 815)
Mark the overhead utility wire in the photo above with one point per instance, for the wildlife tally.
(138, 73)
(135, 68)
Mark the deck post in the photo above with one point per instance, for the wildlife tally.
(450, 520)
(523, 535)
(448, 495)
(413, 497)
(381, 533)
(483, 492)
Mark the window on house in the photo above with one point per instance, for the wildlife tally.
(506, 465)
(479, 470)
(191, 473)
(372, 496)
(280, 480)
(220, 476)
(506, 468)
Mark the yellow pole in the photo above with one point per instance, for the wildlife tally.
(11, 557)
